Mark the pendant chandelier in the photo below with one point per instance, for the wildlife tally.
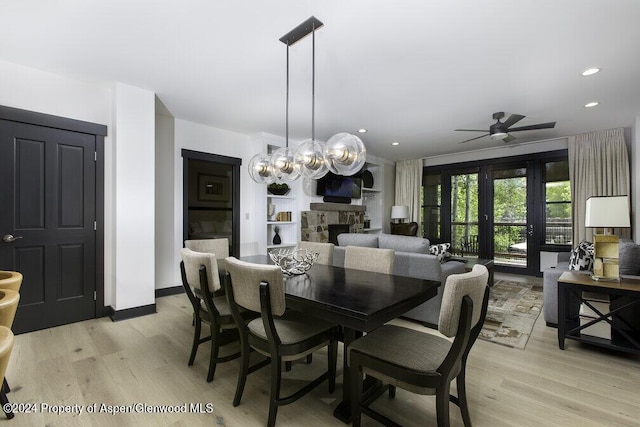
(342, 154)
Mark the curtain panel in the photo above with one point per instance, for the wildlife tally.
(598, 166)
(409, 186)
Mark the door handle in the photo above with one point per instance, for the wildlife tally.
(8, 238)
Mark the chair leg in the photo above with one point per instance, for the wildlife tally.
(287, 366)
(196, 339)
(309, 358)
(442, 404)
(215, 347)
(5, 386)
(274, 396)
(462, 397)
(356, 392)
(5, 401)
(392, 391)
(242, 374)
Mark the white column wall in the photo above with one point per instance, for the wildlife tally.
(134, 130)
(635, 180)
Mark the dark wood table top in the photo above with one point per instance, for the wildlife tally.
(361, 300)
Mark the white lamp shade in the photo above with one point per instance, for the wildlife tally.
(607, 212)
(399, 212)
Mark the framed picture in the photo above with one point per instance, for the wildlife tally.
(212, 188)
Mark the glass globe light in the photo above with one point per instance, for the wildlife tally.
(345, 154)
(310, 156)
(283, 165)
(260, 169)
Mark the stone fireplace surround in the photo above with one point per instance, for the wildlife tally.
(315, 222)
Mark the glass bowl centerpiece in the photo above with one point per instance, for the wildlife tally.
(294, 262)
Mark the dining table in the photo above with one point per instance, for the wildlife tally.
(357, 300)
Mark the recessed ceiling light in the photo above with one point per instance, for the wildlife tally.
(590, 71)
(395, 143)
(363, 130)
(590, 104)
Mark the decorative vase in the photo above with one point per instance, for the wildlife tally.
(276, 239)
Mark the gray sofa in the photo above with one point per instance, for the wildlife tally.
(629, 266)
(412, 259)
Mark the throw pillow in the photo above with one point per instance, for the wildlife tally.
(582, 257)
(441, 250)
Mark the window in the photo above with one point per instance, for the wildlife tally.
(431, 201)
(557, 195)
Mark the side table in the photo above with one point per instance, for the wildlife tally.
(570, 288)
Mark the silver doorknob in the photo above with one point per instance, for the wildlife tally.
(8, 238)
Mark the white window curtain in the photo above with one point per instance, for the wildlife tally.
(409, 186)
(598, 166)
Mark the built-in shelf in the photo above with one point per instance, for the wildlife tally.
(282, 245)
(280, 222)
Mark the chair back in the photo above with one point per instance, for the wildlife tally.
(245, 283)
(370, 259)
(219, 247)
(472, 284)
(6, 345)
(10, 280)
(8, 305)
(325, 251)
(192, 262)
(404, 228)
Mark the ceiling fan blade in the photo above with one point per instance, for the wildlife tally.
(508, 138)
(512, 120)
(471, 139)
(471, 130)
(534, 127)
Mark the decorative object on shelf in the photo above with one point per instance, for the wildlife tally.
(294, 262)
(343, 154)
(399, 212)
(367, 179)
(271, 211)
(276, 237)
(278, 189)
(606, 212)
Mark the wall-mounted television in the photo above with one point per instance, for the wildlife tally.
(339, 186)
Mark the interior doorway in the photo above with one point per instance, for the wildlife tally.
(211, 198)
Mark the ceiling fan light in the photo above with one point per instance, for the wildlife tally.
(260, 169)
(345, 154)
(310, 156)
(498, 135)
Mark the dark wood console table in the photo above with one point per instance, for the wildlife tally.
(570, 288)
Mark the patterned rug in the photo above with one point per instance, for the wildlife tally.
(512, 312)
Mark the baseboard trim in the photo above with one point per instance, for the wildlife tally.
(130, 313)
(165, 292)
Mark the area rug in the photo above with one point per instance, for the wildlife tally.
(512, 312)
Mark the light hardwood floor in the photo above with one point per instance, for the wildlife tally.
(144, 360)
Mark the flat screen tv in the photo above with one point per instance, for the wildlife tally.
(339, 186)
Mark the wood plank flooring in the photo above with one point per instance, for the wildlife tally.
(144, 360)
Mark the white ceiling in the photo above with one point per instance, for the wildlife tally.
(408, 71)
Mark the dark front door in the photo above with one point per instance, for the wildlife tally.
(47, 217)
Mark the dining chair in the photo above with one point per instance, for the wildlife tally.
(10, 280)
(9, 300)
(370, 259)
(325, 251)
(6, 346)
(281, 335)
(200, 272)
(219, 247)
(424, 363)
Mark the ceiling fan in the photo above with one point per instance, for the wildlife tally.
(500, 130)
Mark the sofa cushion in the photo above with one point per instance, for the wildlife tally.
(417, 245)
(582, 257)
(629, 258)
(358, 239)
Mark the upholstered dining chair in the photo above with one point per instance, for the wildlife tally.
(404, 228)
(220, 247)
(10, 280)
(6, 346)
(370, 259)
(279, 334)
(425, 363)
(200, 272)
(325, 251)
(9, 300)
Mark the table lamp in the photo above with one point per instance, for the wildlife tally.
(606, 212)
(399, 212)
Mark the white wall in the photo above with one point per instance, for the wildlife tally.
(134, 133)
(635, 179)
